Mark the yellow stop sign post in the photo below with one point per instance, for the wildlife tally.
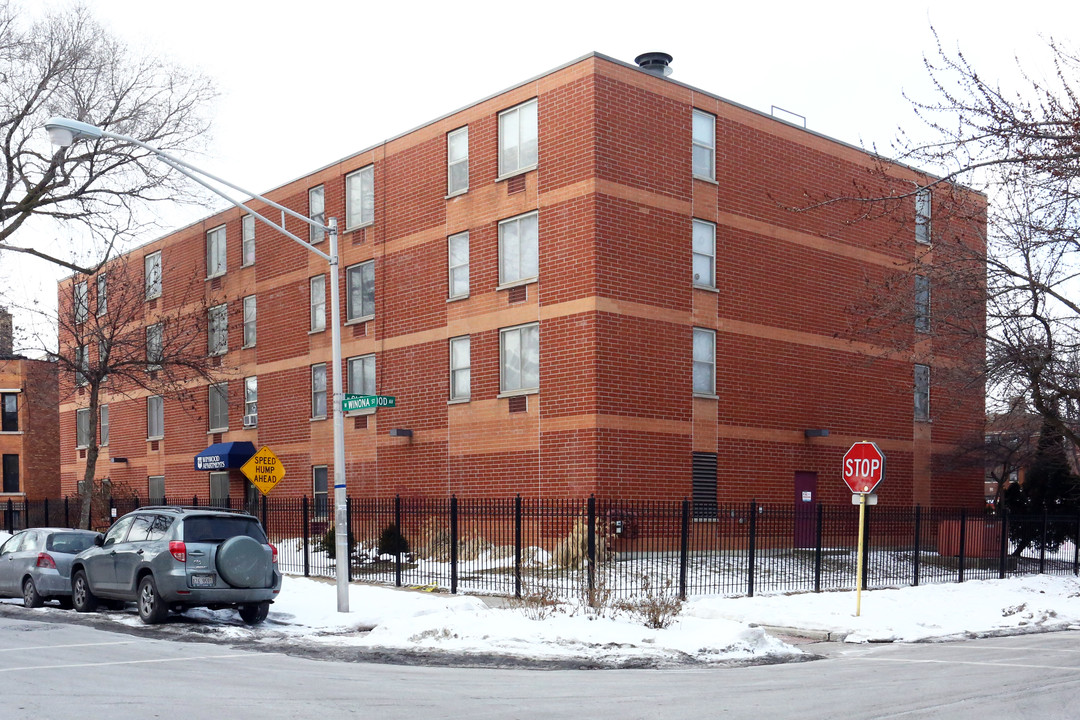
(264, 470)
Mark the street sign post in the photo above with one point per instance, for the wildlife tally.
(351, 403)
(264, 470)
(863, 469)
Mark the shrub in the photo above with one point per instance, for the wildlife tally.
(392, 542)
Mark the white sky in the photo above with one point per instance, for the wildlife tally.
(305, 84)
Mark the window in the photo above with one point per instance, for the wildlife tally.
(9, 412)
(155, 486)
(922, 303)
(704, 254)
(218, 395)
(518, 249)
(81, 308)
(215, 252)
(11, 473)
(703, 487)
(922, 216)
(319, 490)
(152, 275)
(82, 364)
(360, 197)
(103, 424)
(518, 139)
(219, 489)
(922, 392)
(519, 358)
(460, 368)
(317, 212)
(251, 401)
(457, 252)
(362, 375)
(249, 321)
(317, 291)
(102, 295)
(318, 390)
(457, 161)
(247, 240)
(153, 347)
(704, 362)
(155, 418)
(218, 330)
(82, 427)
(704, 152)
(360, 291)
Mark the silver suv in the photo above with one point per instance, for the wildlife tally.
(170, 558)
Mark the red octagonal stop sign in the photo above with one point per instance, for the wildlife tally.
(864, 467)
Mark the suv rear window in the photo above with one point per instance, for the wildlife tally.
(70, 542)
(210, 528)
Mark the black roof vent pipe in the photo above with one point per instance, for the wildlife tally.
(655, 62)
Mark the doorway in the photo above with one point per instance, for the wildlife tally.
(805, 509)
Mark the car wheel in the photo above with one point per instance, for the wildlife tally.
(255, 613)
(152, 609)
(81, 598)
(30, 597)
(244, 562)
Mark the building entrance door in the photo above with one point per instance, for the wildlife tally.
(805, 506)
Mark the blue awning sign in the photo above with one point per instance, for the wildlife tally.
(224, 456)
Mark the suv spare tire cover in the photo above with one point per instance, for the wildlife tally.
(243, 562)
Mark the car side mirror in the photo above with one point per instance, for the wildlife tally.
(99, 540)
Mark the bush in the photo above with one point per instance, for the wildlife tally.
(327, 543)
(392, 542)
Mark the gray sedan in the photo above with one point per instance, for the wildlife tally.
(36, 564)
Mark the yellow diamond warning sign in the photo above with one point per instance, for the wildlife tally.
(264, 470)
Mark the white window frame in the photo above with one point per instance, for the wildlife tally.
(317, 303)
(360, 270)
(703, 141)
(922, 304)
(154, 348)
(320, 508)
(521, 334)
(152, 274)
(251, 396)
(101, 298)
(457, 162)
(250, 326)
(103, 424)
(247, 240)
(360, 378)
(704, 338)
(528, 250)
(360, 198)
(151, 482)
(317, 213)
(461, 368)
(217, 406)
(923, 216)
(217, 330)
(922, 393)
(319, 398)
(703, 242)
(458, 268)
(82, 428)
(155, 417)
(216, 258)
(218, 478)
(512, 122)
(82, 364)
(80, 302)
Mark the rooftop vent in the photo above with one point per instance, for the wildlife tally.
(655, 62)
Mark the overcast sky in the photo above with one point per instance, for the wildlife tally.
(306, 83)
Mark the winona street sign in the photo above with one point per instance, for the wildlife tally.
(264, 470)
(366, 402)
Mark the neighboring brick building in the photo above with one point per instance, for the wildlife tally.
(586, 284)
(29, 424)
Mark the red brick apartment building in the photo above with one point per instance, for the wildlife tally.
(29, 424)
(586, 284)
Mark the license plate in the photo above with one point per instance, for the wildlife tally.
(203, 580)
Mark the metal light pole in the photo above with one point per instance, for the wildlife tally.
(64, 132)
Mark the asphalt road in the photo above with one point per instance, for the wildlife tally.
(60, 670)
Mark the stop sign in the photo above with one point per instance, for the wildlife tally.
(864, 467)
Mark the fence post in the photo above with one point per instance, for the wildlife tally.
(195, 500)
(866, 549)
(591, 549)
(963, 541)
(67, 515)
(9, 516)
(304, 521)
(397, 556)
(453, 543)
(752, 549)
(1076, 547)
(1042, 545)
(47, 522)
(684, 548)
(917, 545)
(1003, 566)
(517, 546)
(818, 546)
(265, 517)
(348, 538)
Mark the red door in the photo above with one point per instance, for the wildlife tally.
(805, 509)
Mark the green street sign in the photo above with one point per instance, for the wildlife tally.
(366, 402)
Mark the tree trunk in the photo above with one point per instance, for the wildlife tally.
(86, 494)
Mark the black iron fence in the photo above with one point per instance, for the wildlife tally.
(598, 548)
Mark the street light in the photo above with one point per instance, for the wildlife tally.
(64, 132)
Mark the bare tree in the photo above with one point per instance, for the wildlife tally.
(112, 345)
(67, 64)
